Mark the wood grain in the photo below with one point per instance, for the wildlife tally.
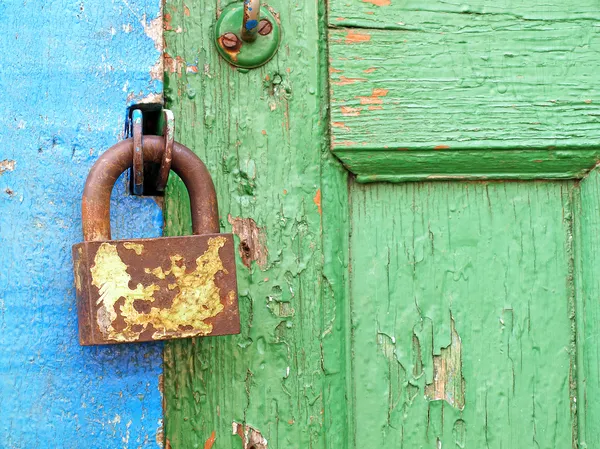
(263, 136)
(444, 79)
(587, 264)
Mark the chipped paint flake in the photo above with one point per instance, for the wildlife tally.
(253, 241)
(251, 437)
(378, 2)
(375, 97)
(317, 201)
(197, 300)
(7, 165)
(356, 37)
(448, 381)
(343, 81)
(210, 440)
(350, 111)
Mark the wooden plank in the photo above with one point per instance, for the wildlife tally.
(425, 165)
(467, 82)
(463, 314)
(587, 261)
(263, 136)
(69, 72)
(442, 17)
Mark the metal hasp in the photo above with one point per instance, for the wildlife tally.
(153, 289)
(243, 38)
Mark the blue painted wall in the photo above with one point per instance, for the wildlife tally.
(68, 71)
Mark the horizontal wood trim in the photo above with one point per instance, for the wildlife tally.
(523, 92)
(441, 16)
(424, 165)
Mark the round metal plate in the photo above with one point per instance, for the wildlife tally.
(246, 55)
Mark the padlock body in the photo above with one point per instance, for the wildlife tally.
(156, 289)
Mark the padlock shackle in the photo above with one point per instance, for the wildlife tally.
(95, 208)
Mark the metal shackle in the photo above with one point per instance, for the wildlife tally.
(95, 207)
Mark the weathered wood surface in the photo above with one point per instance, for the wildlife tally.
(432, 83)
(588, 310)
(462, 312)
(262, 135)
(69, 72)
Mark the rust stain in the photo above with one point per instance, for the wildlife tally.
(251, 437)
(317, 201)
(350, 112)
(378, 2)
(173, 65)
(334, 70)
(441, 147)
(210, 441)
(7, 165)
(253, 241)
(186, 11)
(167, 22)
(371, 70)
(375, 97)
(355, 37)
(197, 288)
(448, 382)
(375, 108)
(345, 81)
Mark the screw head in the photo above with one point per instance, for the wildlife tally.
(264, 27)
(230, 41)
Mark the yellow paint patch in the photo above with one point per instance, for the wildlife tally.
(137, 247)
(197, 300)
(77, 267)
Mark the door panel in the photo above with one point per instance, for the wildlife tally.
(484, 89)
(462, 306)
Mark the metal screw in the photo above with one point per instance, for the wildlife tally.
(230, 41)
(264, 27)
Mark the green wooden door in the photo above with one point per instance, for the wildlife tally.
(437, 288)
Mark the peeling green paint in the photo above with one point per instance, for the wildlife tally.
(478, 90)
(263, 137)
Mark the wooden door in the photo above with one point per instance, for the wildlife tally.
(437, 290)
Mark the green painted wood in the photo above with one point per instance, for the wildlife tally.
(588, 311)
(443, 17)
(426, 165)
(462, 309)
(264, 137)
(449, 80)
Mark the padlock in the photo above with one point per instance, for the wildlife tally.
(153, 289)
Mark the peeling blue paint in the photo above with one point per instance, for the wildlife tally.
(69, 70)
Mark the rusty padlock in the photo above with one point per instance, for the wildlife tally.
(153, 289)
